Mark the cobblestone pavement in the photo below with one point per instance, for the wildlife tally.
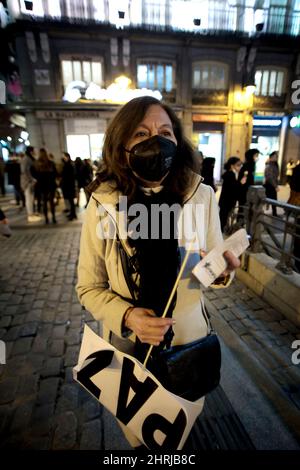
(267, 333)
(41, 322)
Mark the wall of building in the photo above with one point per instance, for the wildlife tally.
(180, 49)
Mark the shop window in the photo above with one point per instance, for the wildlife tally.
(210, 76)
(269, 82)
(155, 76)
(86, 70)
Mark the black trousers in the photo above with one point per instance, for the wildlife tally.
(271, 193)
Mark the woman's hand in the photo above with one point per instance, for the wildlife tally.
(232, 262)
(147, 327)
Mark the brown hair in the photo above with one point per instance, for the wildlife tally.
(114, 164)
(43, 163)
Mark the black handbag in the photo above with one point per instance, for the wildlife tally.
(191, 370)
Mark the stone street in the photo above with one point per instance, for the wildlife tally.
(41, 407)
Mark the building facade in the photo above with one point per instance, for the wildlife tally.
(68, 58)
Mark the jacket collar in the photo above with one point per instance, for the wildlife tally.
(107, 193)
(108, 196)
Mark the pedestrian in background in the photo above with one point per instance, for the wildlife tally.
(231, 189)
(46, 181)
(28, 182)
(5, 229)
(68, 184)
(289, 170)
(78, 166)
(2, 176)
(248, 171)
(294, 199)
(87, 178)
(207, 172)
(13, 170)
(271, 179)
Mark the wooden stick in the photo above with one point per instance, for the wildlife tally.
(171, 296)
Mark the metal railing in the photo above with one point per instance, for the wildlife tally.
(276, 235)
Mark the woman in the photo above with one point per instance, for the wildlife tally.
(271, 179)
(147, 159)
(248, 171)
(46, 181)
(68, 184)
(207, 172)
(231, 189)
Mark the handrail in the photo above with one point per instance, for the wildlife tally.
(269, 233)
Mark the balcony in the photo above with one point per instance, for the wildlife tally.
(272, 102)
(209, 97)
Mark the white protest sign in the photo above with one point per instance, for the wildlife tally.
(213, 264)
(158, 418)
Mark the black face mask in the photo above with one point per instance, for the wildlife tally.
(151, 159)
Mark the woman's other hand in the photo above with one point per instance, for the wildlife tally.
(232, 262)
(147, 326)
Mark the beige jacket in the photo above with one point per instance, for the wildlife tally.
(101, 286)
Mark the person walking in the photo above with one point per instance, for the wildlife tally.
(87, 178)
(231, 189)
(2, 176)
(68, 184)
(28, 182)
(247, 170)
(271, 179)
(207, 172)
(294, 199)
(46, 180)
(13, 170)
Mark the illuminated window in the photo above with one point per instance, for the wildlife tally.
(87, 70)
(155, 76)
(270, 82)
(210, 76)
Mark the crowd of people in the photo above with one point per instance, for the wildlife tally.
(38, 182)
(239, 176)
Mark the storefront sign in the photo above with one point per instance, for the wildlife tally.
(269, 113)
(69, 114)
(85, 126)
(209, 117)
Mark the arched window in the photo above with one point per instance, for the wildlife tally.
(210, 75)
(270, 81)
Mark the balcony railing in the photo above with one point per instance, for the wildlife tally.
(269, 101)
(203, 17)
(277, 236)
(209, 97)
